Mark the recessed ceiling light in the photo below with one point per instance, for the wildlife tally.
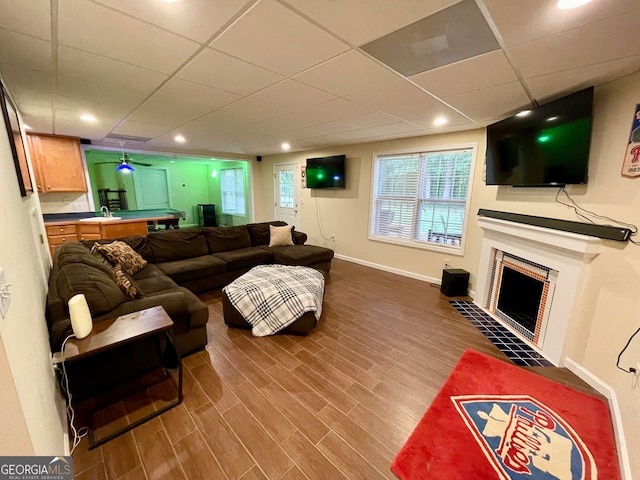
(26, 127)
(569, 4)
(87, 117)
(285, 146)
(523, 113)
(551, 119)
(440, 121)
(179, 139)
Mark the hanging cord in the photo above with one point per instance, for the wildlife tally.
(71, 414)
(315, 196)
(631, 369)
(585, 214)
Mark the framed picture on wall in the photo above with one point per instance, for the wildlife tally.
(18, 150)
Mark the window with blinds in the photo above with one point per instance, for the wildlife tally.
(232, 190)
(421, 198)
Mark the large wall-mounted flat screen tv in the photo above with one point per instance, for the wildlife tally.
(547, 147)
(326, 172)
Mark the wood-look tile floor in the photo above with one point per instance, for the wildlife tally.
(337, 404)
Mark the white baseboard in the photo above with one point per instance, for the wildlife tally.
(610, 394)
(397, 271)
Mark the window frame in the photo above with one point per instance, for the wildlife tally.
(414, 242)
(244, 192)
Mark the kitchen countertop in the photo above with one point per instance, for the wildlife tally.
(125, 215)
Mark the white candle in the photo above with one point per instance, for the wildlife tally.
(81, 320)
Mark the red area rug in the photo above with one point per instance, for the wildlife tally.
(492, 420)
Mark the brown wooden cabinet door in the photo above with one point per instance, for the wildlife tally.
(58, 164)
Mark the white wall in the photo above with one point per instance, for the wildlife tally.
(610, 309)
(29, 417)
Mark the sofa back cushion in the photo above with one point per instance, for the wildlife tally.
(171, 245)
(101, 291)
(259, 232)
(223, 239)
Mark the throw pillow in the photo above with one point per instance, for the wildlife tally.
(126, 283)
(280, 236)
(120, 252)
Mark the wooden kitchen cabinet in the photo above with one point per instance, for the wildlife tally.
(57, 163)
(59, 233)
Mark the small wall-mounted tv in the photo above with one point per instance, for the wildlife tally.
(326, 172)
(548, 147)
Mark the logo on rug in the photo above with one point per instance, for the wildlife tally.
(523, 438)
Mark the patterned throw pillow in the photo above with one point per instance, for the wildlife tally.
(126, 283)
(120, 252)
(280, 236)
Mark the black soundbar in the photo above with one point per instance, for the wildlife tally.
(602, 231)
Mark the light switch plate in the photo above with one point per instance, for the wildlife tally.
(5, 295)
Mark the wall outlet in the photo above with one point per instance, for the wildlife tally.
(77, 206)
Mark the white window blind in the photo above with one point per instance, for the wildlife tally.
(421, 197)
(232, 187)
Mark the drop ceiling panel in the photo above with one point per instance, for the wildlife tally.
(179, 101)
(425, 113)
(94, 106)
(216, 69)
(359, 21)
(465, 76)
(29, 86)
(274, 37)
(66, 123)
(333, 110)
(140, 129)
(87, 76)
(389, 95)
(371, 119)
(333, 127)
(96, 29)
(38, 117)
(491, 102)
(292, 95)
(31, 17)
(580, 47)
(195, 19)
(347, 74)
(23, 51)
(525, 20)
(553, 84)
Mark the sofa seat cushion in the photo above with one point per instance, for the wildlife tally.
(245, 257)
(152, 285)
(193, 268)
(99, 288)
(171, 245)
(303, 255)
(149, 271)
(223, 239)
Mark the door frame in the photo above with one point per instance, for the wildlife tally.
(296, 189)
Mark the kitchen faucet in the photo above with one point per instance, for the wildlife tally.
(105, 210)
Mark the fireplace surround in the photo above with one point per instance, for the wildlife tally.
(559, 260)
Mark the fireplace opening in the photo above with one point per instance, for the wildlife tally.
(520, 297)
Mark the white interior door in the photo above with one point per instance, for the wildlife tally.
(287, 194)
(152, 188)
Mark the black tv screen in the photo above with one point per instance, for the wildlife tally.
(548, 147)
(326, 172)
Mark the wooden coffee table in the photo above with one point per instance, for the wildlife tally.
(110, 334)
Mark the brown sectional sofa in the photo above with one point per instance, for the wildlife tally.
(180, 263)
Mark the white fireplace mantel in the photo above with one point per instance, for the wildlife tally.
(568, 253)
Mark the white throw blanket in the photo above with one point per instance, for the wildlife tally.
(272, 297)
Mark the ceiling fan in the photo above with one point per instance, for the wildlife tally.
(125, 163)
